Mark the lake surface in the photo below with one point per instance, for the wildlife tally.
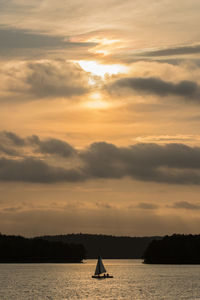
(132, 280)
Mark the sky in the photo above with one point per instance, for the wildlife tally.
(100, 117)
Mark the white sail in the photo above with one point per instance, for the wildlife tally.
(100, 267)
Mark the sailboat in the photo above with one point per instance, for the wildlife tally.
(100, 271)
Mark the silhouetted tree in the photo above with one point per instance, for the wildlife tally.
(20, 249)
(175, 249)
(107, 245)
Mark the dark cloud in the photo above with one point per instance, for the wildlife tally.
(171, 55)
(169, 163)
(186, 205)
(36, 171)
(144, 205)
(9, 143)
(14, 138)
(52, 146)
(102, 160)
(157, 86)
(8, 150)
(181, 50)
(22, 39)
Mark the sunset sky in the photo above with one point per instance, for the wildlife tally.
(100, 117)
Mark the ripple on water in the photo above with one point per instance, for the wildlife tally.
(132, 280)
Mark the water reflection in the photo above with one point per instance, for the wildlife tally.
(132, 280)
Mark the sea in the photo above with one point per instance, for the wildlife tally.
(132, 280)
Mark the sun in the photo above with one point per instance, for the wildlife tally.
(100, 69)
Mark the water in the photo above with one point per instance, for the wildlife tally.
(132, 280)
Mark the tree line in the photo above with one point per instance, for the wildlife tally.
(17, 249)
(175, 249)
(108, 246)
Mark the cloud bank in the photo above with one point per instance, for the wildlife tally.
(31, 159)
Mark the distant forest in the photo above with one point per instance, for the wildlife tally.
(106, 245)
(17, 249)
(175, 249)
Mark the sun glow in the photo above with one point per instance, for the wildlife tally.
(104, 45)
(101, 69)
(103, 41)
(96, 102)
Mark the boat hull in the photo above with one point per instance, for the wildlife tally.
(101, 277)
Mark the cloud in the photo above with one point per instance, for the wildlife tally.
(180, 50)
(19, 39)
(43, 79)
(8, 151)
(19, 43)
(9, 143)
(53, 220)
(171, 163)
(102, 160)
(135, 23)
(54, 160)
(60, 79)
(163, 139)
(52, 146)
(36, 171)
(186, 205)
(152, 85)
(14, 138)
(144, 205)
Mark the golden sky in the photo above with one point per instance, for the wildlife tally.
(99, 119)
